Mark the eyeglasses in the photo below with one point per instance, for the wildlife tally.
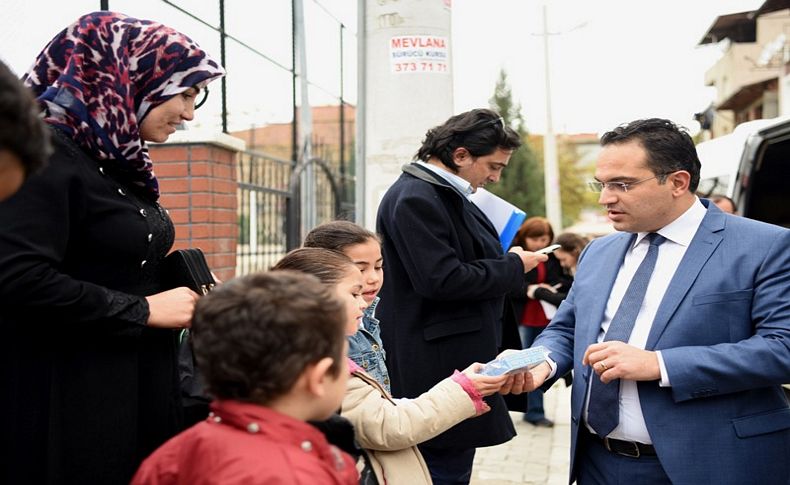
(203, 99)
(478, 126)
(500, 120)
(596, 186)
(485, 124)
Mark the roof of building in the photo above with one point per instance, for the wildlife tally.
(738, 27)
(742, 26)
(772, 6)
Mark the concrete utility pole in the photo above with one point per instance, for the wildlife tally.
(550, 165)
(551, 173)
(308, 215)
(406, 87)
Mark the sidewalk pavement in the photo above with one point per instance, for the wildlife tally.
(536, 456)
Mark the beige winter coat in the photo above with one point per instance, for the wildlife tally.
(389, 429)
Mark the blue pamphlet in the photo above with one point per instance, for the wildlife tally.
(515, 361)
(504, 216)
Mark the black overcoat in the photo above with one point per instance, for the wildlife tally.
(87, 389)
(443, 299)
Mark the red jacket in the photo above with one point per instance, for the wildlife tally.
(250, 444)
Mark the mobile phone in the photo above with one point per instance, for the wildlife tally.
(548, 249)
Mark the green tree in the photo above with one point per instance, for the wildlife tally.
(522, 181)
(574, 195)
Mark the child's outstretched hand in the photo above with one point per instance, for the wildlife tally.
(485, 385)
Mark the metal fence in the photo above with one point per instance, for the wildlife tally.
(270, 206)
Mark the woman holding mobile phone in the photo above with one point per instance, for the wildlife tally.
(535, 234)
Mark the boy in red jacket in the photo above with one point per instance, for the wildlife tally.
(273, 353)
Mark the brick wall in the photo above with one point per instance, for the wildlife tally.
(197, 180)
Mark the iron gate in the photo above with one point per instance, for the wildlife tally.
(271, 209)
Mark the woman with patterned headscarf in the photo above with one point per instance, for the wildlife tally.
(88, 351)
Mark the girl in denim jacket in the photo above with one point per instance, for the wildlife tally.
(364, 249)
(390, 429)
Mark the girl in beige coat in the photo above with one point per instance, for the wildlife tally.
(390, 429)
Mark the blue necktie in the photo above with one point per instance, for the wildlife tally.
(603, 412)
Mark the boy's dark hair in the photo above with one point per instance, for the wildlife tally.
(328, 265)
(338, 235)
(480, 131)
(669, 147)
(22, 132)
(254, 335)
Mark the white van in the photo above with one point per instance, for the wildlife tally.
(751, 165)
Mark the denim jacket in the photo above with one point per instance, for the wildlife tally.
(365, 348)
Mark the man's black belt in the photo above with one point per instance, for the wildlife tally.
(631, 449)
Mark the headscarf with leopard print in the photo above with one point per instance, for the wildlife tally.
(98, 79)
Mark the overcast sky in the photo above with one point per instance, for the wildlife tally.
(611, 61)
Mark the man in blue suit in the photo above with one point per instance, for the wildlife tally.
(677, 328)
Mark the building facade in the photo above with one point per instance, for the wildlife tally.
(751, 72)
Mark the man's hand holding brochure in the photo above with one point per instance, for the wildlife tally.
(518, 366)
(511, 362)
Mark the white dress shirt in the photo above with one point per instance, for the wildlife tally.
(678, 234)
(459, 183)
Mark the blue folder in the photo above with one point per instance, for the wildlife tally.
(504, 216)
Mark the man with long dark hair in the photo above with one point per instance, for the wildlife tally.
(443, 301)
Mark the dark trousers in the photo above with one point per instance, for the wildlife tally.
(535, 411)
(599, 466)
(449, 466)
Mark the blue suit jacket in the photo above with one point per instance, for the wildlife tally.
(723, 328)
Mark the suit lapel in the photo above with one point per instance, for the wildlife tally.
(607, 265)
(702, 246)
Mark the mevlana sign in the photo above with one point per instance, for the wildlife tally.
(418, 53)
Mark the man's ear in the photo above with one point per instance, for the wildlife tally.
(317, 375)
(680, 181)
(461, 156)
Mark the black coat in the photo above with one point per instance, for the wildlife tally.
(87, 389)
(443, 299)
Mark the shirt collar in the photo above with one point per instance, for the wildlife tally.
(681, 230)
(459, 183)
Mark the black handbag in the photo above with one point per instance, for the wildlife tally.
(188, 267)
